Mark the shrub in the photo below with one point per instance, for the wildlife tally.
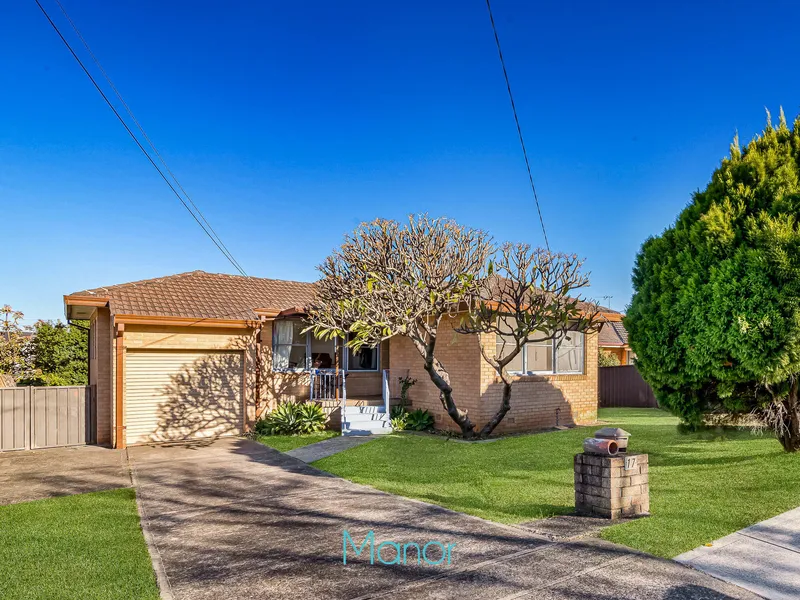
(406, 383)
(606, 359)
(291, 418)
(399, 417)
(419, 420)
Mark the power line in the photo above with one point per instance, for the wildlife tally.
(224, 251)
(144, 133)
(516, 120)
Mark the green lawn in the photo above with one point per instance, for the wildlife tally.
(702, 486)
(290, 442)
(82, 547)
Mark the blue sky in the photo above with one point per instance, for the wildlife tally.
(289, 123)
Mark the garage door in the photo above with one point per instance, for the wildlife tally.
(172, 395)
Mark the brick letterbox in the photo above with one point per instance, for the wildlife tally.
(612, 486)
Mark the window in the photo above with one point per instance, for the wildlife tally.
(365, 359)
(290, 346)
(293, 350)
(569, 353)
(563, 355)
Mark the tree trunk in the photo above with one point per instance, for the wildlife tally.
(445, 391)
(501, 412)
(790, 435)
(446, 395)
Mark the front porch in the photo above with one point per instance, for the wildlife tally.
(361, 414)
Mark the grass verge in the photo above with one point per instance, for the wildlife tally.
(82, 547)
(702, 486)
(285, 443)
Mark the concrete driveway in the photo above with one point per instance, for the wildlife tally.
(237, 520)
(38, 474)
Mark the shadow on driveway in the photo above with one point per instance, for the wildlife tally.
(235, 519)
(38, 474)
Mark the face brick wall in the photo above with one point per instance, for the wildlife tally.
(477, 390)
(535, 399)
(101, 372)
(460, 355)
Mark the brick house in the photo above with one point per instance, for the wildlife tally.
(200, 355)
(614, 340)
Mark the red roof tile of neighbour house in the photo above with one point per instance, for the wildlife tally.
(202, 295)
(613, 334)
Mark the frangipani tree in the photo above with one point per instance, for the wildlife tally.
(389, 279)
(527, 299)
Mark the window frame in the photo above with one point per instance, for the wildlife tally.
(346, 361)
(275, 345)
(308, 368)
(554, 346)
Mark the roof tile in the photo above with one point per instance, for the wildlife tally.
(203, 295)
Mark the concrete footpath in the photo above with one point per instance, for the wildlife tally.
(329, 447)
(763, 558)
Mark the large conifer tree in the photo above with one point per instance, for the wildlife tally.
(715, 316)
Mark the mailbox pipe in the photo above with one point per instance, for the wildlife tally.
(600, 446)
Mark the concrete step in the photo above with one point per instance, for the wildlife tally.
(363, 410)
(367, 417)
(366, 423)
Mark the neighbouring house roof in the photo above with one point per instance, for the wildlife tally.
(201, 295)
(613, 333)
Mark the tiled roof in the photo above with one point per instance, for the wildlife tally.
(613, 334)
(203, 295)
(500, 288)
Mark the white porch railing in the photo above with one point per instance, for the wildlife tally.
(392, 386)
(328, 385)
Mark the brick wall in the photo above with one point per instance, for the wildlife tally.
(460, 355)
(477, 389)
(535, 399)
(101, 372)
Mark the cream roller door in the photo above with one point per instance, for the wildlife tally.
(179, 395)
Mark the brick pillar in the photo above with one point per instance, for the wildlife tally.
(604, 487)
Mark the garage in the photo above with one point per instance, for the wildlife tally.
(173, 395)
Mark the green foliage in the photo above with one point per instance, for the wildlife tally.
(57, 354)
(415, 420)
(12, 343)
(607, 359)
(419, 420)
(703, 485)
(406, 383)
(291, 418)
(715, 317)
(399, 418)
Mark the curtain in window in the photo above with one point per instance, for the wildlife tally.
(569, 354)
(284, 331)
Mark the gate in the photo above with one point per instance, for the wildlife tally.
(47, 417)
(624, 387)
